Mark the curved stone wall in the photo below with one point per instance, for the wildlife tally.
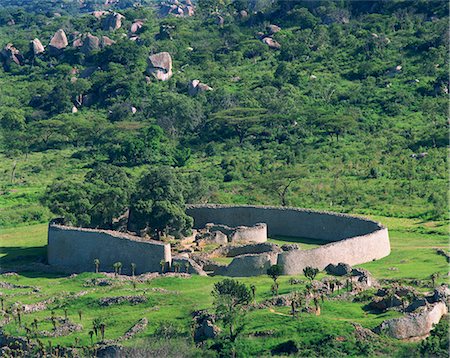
(353, 240)
(76, 248)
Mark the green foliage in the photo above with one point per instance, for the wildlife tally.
(158, 205)
(275, 271)
(310, 272)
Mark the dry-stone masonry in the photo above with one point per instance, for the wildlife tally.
(352, 240)
(77, 248)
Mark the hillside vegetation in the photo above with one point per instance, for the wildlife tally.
(336, 115)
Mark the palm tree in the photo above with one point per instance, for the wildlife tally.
(253, 288)
(133, 269)
(2, 300)
(176, 267)
(102, 330)
(119, 267)
(80, 312)
(97, 265)
(434, 277)
(316, 306)
(91, 334)
(19, 312)
(338, 285)
(186, 266)
(163, 265)
(65, 314)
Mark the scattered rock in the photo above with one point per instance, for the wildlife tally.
(417, 303)
(58, 42)
(138, 327)
(361, 333)
(160, 66)
(341, 269)
(273, 29)
(11, 54)
(220, 20)
(243, 14)
(440, 294)
(195, 87)
(112, 22)
(204, 326)
(271, 43)
(63, 328)
(194, 268)
(102, 282)
(36, 47)
(290, 247)
(383, 303)
(134, 300)
(419, 155)
(136, 26)
(178, 8)
(413, 325)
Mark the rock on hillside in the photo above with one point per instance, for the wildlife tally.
(90, 43)
(58, 42)
(160, 66)
(11, 54)
(413, 325)
(271, 43)
(195, 87)
(136, 26)
(176, 8)
(36, 47)
(112, 22)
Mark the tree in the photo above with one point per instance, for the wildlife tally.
(158, 205)
(230, 296)
(310, 272)
(274, 272)
(109, 191)
(117, 268)
(280, 182)
(133, 268)
(242, 120)
(434, 277)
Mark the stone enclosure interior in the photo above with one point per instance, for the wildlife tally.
(240, 232)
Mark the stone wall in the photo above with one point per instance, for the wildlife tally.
(353, 240)
(75, 249)
(241, 234)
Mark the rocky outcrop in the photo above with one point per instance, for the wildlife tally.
(99, 14)
(178, 8)
(289, 247)
(106, 41)
(341, 269)
(136, 26)
(211, 237)
(36, 47)
(160, 66)
(90, 43)
(273, 29)
(204, 326)
(383, 303)
(195, 87)
(58, 42)
(440, 294)
(112, 22)
(273, 44)
(10, 54)
(413, 325)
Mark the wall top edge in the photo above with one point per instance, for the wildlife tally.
(286, 208)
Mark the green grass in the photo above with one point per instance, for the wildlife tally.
(303, 242)
(412, 254)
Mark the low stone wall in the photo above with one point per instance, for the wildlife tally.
(241, 234)
(76, 248)
(353, 240)
(250, 265)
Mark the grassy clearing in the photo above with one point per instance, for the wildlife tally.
(413, 256)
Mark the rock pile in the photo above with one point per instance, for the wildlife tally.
(268, 37)
(204, 326)
(179, 8)
(89, 43)
(134, 300)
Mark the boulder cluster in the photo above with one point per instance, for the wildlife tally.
(159, 65)
(88, 43)
(179, 8)
(267, 37)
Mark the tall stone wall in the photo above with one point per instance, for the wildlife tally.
(353, 240)
(75, 249)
